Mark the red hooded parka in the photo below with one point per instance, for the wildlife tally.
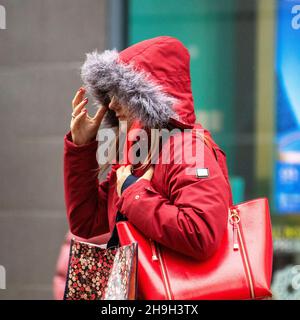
(184, 212)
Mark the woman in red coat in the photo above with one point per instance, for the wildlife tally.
(181, 205)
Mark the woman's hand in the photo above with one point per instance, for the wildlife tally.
(84, 128)
(124, 171)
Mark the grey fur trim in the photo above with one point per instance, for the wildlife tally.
(104, 75)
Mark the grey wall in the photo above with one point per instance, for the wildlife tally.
(40, 54)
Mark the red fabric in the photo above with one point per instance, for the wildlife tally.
(180, 211)
(168, 63)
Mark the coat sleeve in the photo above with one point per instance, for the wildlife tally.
(192, 218)
(85, 197)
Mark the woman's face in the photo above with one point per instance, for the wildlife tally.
(122, 113)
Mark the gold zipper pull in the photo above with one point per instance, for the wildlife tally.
(235, 237)
(234, 220)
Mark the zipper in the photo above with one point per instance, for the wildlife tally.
(164, 274)
(234, 220)
(153, 250)
(247, 264)
(156, 256)
(237, 238)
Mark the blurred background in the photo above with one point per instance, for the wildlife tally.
(245, 65)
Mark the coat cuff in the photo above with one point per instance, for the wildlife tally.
(74, 148)
(79, 158)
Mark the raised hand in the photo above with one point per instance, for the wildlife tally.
(83, 127)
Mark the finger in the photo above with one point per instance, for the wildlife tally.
(148, 174)
(79, 117)
(79, 107)
(120, 169)
(127, 169)
(119, 172)
(126, 172)
(100, 114)
(78, 97)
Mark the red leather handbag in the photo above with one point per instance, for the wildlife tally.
(240, 269)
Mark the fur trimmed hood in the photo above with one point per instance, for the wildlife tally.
(152, 78)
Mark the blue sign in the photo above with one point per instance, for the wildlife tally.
(287, 167)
